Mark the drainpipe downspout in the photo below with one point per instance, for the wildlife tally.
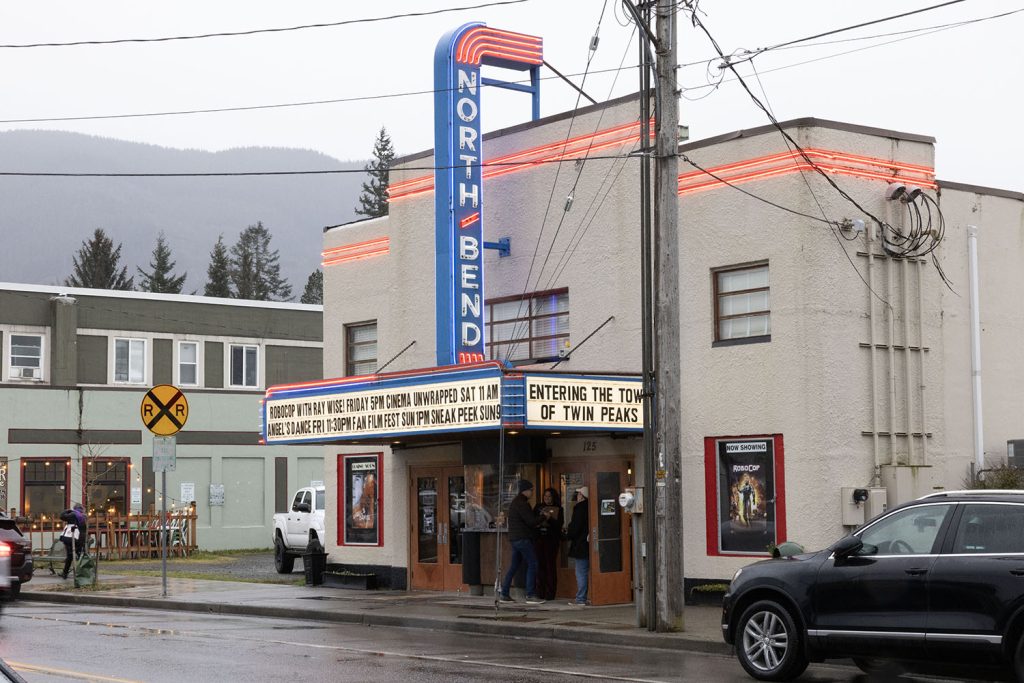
(972, 260)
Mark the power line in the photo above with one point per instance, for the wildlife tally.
(302, 27)
(795, 44)
(337, 171)
(591, 52)
(918, 33)
(281, 105)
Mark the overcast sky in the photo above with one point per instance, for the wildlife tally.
(961, 85)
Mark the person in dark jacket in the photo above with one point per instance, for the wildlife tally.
(523, 521)
(549, 540)
(579, 543)
(83, 531)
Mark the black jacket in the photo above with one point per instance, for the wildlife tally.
(579, 530)
(550, 529)
(522, 520)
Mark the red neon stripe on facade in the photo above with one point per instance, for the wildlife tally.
(813, 153)
(533, 150)
(798, 168)
(581, 145)
(469, 220)
(356, 257)
(347, 248)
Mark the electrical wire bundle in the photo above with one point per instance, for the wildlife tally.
(923, 231)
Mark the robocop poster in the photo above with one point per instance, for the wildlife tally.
(746, 496)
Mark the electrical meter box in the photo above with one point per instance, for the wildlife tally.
(852, 509)
(877, 502)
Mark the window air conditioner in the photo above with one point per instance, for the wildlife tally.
(25, 373)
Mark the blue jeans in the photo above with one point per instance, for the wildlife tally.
(582, 576)
(522, 550)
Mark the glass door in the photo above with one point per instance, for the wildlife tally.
(425, 560)
(439, 508)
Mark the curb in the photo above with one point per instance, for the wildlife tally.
(626, 638)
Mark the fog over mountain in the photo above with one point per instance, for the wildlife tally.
(43, 221)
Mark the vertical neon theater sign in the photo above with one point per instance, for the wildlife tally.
(458, 189)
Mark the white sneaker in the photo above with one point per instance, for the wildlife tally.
(535, 601)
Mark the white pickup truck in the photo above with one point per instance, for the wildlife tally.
(296, 529)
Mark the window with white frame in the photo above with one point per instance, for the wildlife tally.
(361, 348)
(244, 364)
(742, 305)
(188, 363)
(26, 356)
(129, 361)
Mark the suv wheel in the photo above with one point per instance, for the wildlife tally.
(769, 647)
(283, 562)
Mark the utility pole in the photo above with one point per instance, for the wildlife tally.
(668, 504)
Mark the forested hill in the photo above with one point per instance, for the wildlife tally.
(43, 221)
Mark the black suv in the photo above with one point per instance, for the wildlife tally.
(19, 554)
(928, 587)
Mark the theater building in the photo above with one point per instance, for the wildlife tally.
(817, 358)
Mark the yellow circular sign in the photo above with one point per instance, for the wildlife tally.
(164, 410)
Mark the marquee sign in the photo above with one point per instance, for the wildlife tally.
(458, 196)
(396, 405)
(580, 402)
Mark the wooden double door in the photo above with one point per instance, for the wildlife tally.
(611, 568)
(437, 509)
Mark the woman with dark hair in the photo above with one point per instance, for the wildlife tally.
(548, 542)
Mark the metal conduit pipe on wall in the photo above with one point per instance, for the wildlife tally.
(972, 262)
(869, 239)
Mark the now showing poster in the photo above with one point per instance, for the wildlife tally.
(362, 487)
(746, 495)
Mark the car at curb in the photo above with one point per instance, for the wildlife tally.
(19, 556)
(299, 528)
(934, 586)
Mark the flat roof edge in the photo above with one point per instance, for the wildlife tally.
(807, 122)
(181, 298)
(980, 189)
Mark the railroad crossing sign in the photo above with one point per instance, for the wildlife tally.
(164, 410)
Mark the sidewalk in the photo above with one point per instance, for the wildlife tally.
(613, 625)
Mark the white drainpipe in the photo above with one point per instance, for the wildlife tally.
(972, 258)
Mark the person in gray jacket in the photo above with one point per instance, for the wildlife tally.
(523, 521)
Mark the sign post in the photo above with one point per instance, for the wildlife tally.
(164, 411)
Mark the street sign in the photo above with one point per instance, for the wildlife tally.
(164, 453)
(164, 410)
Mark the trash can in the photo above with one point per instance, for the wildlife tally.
(314, 562)
(85, 571)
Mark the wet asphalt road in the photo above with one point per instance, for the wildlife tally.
(46, 643)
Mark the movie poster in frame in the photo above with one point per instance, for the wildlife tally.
(361, 493)
(746, 515)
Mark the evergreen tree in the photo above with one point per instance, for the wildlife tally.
(218, 274)
(160, 279)
(255, 271)
(374, 198)
(98, 265)
(314, 292)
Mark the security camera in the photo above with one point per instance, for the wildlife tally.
(860, 495)
(895, 191)
(912, 193)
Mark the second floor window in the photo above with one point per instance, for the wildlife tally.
(534, 327)
(188, 363)
(361, 349)
(742, 306)
(26, 356)
(130, 361)
(244, 365)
